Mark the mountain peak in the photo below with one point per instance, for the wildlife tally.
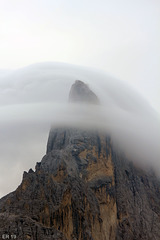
(84, 188)
(80, 92)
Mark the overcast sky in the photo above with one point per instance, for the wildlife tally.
(118, 37)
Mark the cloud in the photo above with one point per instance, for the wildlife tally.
(36, 97)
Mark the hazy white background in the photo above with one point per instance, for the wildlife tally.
(119, 37)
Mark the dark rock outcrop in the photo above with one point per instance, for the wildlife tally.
(83, 189)
(80, 92)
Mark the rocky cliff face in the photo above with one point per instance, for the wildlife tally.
(82, 189)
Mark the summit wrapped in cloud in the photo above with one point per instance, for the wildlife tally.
(85, 187)
(36, 97)
(80, 92)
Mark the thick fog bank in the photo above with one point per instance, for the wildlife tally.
(36, 97)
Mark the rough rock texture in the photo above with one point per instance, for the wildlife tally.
(83, 189)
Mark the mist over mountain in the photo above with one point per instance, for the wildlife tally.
(35, 97)
(88, 185)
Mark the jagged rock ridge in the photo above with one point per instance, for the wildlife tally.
(83, 189)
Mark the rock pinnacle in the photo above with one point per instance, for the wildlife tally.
(80, 92)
